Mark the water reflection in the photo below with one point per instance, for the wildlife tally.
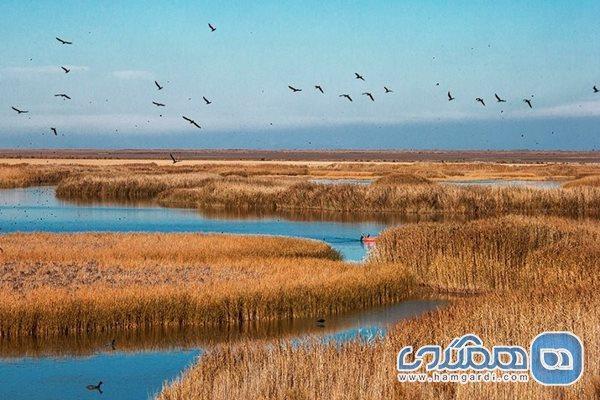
(506, 183)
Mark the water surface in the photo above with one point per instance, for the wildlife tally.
(506, 183)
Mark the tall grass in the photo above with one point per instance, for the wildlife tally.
(112, 282)
(403, 199)
(367, 371)
(499, 253)
(538, 274)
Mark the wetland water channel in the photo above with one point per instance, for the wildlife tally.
(141, 362)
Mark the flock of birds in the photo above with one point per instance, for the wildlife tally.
(295, 90)
(159, 87)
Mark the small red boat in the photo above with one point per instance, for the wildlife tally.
(368, 239)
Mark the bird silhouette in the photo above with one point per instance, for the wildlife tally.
(95, 387)
(321, 322)
(63, 41)
(191, 121)
(158, 86)
(64, 96)
(66, 70)
(596, 89)
(528, 102)
(346, 96)
(370, 95)
(319, 88)
(498, 99)
(206, 100)
(173, 158)
(54, 131)
(358, 76)
(450, 98)
(293, 89)
(158, 104)
(479, 99)
(388, 90)
(19, 111)
(212, 28)
(113, 344)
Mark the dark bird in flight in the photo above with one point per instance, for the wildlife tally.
(319, 88)
(498, 99)
(358, 76)
(95, 387)
(191, 121)
(480, 100)
(173, 158)
(158, 104)
(54, 131)
(63, 41)
(370, 95)
(66, 70)
(346, 96)
(528, 102)
(64, 96)
(212, 28)
(20, 111)
(158, 86)
(450, 98)
(293, 89)
(388, 90)
(596, 89)
(206, 100)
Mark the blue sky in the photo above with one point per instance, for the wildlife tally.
(548, 49)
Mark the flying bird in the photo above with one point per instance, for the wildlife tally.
(212, 28)
(66, 70)
(19, 111)
(158, 86)
(498, 99)
(191, 121)
(54, 131)
(63, 41)
(528, 102)
(319, 88)
(479, 99)
(346, 96)
(293, 89)
(596, 89)
(173, 158)
(206, 100)
(450, 98)
(388, 90)
(370, 95)
(95, 387)
(64, 96)
(358, 76)
(158, 104)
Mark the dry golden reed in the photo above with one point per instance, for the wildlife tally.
(111, 282)
(545, 281)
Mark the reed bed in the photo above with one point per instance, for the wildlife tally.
(113, 282)
(532, 275)
(592, 180)
(367, 371)
(398, 199)
(495, 254)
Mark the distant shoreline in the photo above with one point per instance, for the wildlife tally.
(508, 156)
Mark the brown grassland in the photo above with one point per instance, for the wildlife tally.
(529, 263)
(111, 282)
(535, 275)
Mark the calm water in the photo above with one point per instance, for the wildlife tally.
(506, 183)
(142, 362)
(37, 209)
